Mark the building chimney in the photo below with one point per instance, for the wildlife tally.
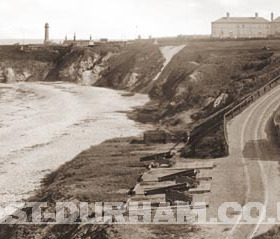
(272, 16)
(74, 36)
(256, 15)
(47, 36)
(228, 15)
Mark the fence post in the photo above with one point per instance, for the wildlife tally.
(257, 94)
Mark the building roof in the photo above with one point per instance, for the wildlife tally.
(277, 19)
(72, 41)
(241, 20)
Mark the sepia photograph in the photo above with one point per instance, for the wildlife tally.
(143, 119)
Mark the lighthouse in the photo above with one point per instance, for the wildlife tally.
(47, 36)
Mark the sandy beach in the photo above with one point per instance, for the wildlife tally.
(36, 140)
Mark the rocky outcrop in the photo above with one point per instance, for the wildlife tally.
(18, 64)
(14, 71)
(133, 68)
(87, 69)
(129, 67)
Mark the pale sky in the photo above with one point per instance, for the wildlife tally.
(118, 19)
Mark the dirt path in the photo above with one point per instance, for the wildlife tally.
(168, 53)
(250, 173)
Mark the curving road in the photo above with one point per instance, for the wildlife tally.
(251, 172)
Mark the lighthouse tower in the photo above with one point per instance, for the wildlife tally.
(47, 36)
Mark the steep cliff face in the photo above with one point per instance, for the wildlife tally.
(13, 71)
(118, 66)
(128, 67)
(26, 64)
(133, 68)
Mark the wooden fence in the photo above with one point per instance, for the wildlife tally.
(230, 111)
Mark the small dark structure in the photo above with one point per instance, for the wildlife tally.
(163, 163)
(163, 190)
(156, 136)
(164, 137)
(173, 196)
(159, 156)
(174, 176)
(185, 179)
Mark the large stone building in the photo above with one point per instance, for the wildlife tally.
(275, 27)
(245, 27)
